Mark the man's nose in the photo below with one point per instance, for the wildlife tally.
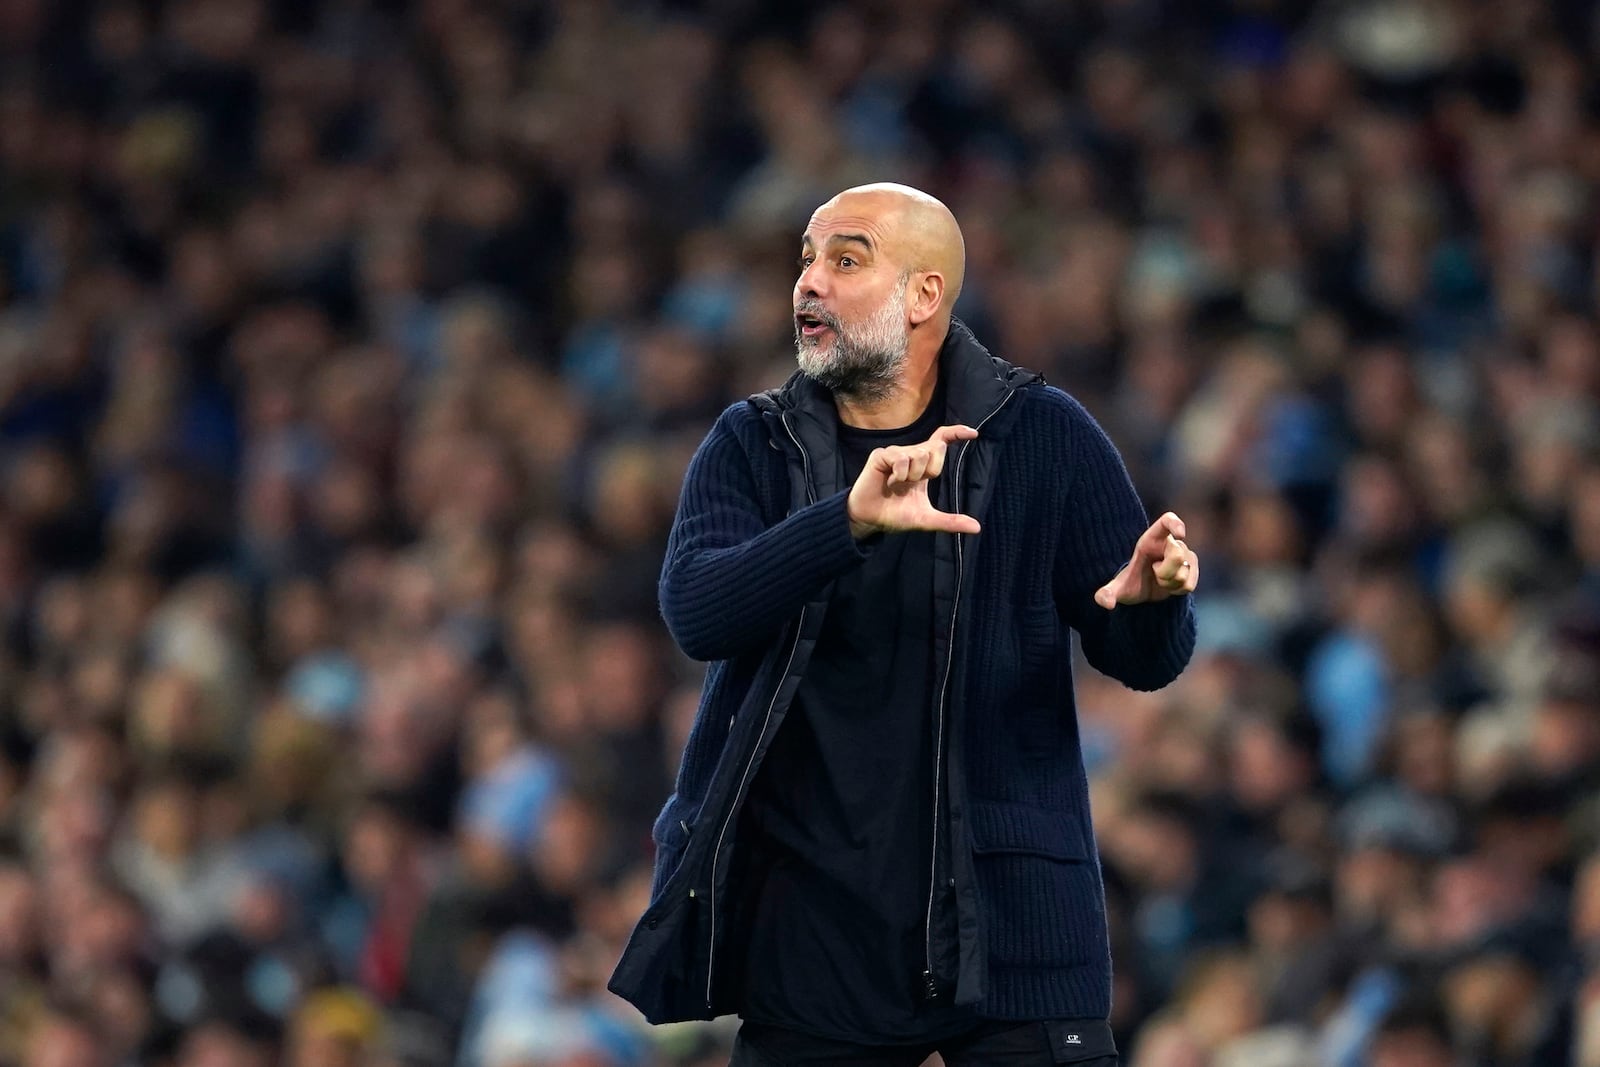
(812, 281)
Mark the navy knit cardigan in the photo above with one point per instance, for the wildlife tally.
(1060, 517)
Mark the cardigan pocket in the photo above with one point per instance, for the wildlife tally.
(1021, 828)
(1044, 906)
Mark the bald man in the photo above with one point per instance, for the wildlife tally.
(879, 845)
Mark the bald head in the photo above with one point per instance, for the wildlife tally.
(918, 232)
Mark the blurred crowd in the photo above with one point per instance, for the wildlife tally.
(351, 354)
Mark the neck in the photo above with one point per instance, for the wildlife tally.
(908, 398)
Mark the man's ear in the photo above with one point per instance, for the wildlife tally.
(926, 296)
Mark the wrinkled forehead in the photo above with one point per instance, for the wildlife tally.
(864, 219)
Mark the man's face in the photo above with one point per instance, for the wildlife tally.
(851, 328)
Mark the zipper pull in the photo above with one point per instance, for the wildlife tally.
(929, 989)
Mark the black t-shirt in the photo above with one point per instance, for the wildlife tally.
(840, 818)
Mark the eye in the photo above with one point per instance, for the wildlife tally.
(804, 261)
(847, 261)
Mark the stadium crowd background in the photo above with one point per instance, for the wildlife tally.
(351, 353)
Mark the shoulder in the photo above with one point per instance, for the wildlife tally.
(1052, 410)
(1058, 431)
(738, 441)
(740, 423)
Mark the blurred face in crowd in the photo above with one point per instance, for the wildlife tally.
(1168, 1044)
(1282, 922)
(315, 1048)
(1221, 1000)
(394, 743)
(19, 910)
(1375, 880)
(1424, 753)
(1266, 770)
(170, 714)
(59, 1041)
(1586, 905)
(263, 910)
(1584, 508)
(1412, 1047)
(101, 928)
(166, 820)
(332, 1029)
(620, 676)
(1442, 466)
(219, 1045)
(570, 845)
(300, 620)
(1493, 1000)
(375, 849)
(121, 1004)
(1157, 851)
(73, 826)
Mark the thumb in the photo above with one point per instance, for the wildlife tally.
(961, 524)
(1108, 595)
(947, 521)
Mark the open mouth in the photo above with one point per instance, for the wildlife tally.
(810, 325)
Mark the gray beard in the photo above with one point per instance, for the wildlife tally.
(864, 363)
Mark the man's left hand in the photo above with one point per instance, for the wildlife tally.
(1162, 566)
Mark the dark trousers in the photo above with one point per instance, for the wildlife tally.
(1081, 1042)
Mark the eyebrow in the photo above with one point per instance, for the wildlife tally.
(852, 238)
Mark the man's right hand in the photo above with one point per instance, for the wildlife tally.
(892, 492)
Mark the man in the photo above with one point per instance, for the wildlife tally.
(879, 845)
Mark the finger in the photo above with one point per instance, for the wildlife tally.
(918, 469)
(1108, 595)
(937, 450)
(947, 434)
(960, 524)
(947, 522)
(900, 469)
(1188, 574)
(1153, 542)
(1172, 560)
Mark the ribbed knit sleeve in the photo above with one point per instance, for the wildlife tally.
(1143, 646)
(729, 582)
